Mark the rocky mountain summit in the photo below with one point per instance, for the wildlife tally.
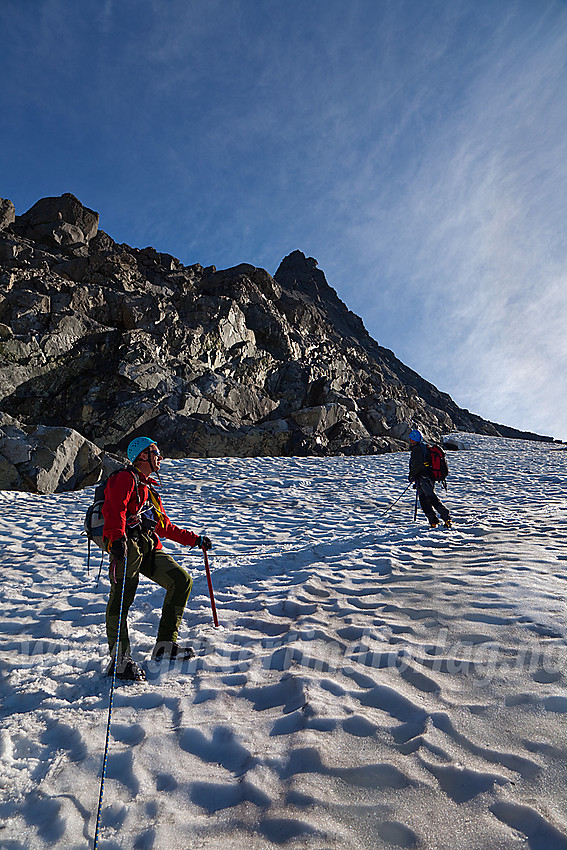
(101, 342)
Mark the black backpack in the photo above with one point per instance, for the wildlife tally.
(94, 520)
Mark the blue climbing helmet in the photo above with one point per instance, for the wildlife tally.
(413, 435)
(138, 445)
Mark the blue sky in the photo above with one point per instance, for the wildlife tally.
(417, 149)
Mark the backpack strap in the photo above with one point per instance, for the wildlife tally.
(132, 469)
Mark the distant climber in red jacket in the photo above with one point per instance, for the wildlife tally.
(134, 521)
(420, 474)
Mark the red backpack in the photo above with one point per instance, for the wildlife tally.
(437, 464)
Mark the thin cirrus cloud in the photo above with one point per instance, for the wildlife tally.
(474, 245)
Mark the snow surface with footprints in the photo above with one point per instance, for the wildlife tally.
(372, 684)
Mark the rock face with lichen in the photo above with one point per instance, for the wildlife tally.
(109, 342)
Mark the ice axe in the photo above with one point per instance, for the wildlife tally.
(210, 583)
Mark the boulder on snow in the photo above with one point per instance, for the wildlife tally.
(49, 459)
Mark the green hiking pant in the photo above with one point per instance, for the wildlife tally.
(160, 567)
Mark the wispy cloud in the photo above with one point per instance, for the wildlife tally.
(472, 245)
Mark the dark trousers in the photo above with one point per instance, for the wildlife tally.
(429, 501)
(159, 567)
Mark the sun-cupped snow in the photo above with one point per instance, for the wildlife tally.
(372, 683)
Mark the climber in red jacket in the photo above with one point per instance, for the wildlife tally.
(134, 521)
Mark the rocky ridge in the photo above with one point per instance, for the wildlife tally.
(104, 342)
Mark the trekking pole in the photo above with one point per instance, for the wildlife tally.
(99, 570)
(395, 500)
(415, 509)
(210, 583)
(105, 756)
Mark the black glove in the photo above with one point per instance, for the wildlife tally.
(118, 549)
(203, 543)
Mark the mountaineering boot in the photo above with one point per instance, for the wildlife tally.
(126, 669)
(433, 523)
(168, 650)
(447, 524)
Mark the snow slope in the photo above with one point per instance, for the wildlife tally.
(372, 684)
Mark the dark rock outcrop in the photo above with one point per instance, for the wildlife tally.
(58, 222)
(7, 213)
(114, 341)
